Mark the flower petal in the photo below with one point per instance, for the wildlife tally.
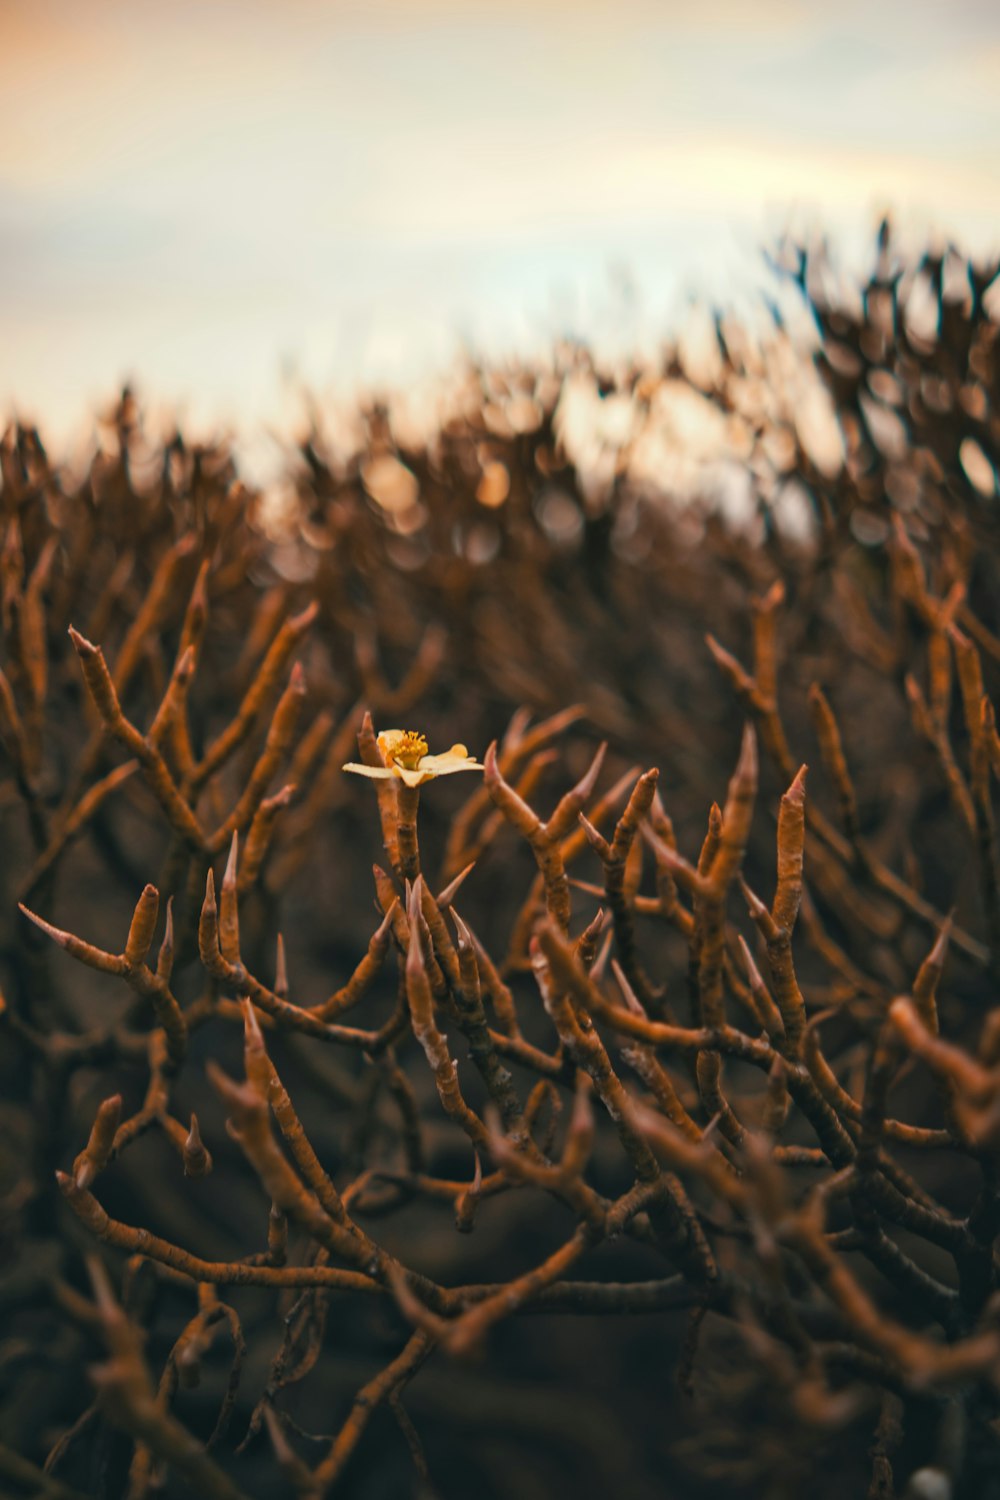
(378, 773)
(412, 778)
(448, 763)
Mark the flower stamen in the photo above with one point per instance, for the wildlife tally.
(404, 747)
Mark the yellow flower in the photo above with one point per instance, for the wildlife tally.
(405, 755)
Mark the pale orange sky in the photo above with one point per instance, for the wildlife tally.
(197, 193)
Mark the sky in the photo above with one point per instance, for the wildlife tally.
(228, 201)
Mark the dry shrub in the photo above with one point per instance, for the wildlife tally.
(665, 1137)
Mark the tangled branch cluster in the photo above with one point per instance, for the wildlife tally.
(660, 1058)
